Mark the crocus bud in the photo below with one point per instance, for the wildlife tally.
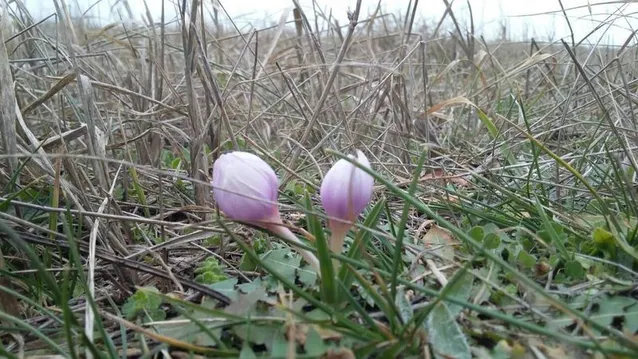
(245, 189)
(345, 192)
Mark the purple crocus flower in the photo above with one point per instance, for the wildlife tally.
(245, 189)
(345, 192)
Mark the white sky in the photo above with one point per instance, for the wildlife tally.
(541, 19)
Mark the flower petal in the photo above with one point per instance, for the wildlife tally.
(245, 187)
(346, 189)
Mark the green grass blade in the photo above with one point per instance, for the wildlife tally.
(548, 226)
(358, 247)
(397, 261)
(328, 286)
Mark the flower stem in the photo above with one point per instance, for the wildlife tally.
(339, 231)
(308, 256)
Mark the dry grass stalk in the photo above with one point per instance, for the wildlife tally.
(199, 164)
(7, 98)
(327, 87)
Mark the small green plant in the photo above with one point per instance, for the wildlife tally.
(260, 245)
(241, 143)
(213, 241)
(210, 272)
(144, 305)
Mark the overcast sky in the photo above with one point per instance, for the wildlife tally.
(541, 19)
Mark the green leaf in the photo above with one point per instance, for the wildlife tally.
(318, 314)
(502, 350)
(294, 188)
(284, 261)
(602, 236)
(129, 309)
(144, 299)
(256, 334)
(462, 290)
(328, 286)
(226, 287)
(608, 308)
(247, 264)
(209, 278)
(491, 241)
(581, 301)
(251, 286)
(604, 240)
(210, 271)
(139, 191)
(526, 259)
(247, 353)
(574, 269)
(554, 231)
(308, 276)
(260, 247)
(631, 318)
(477, 233)
(155, 315)
(405, 308)
(314, 346)
(442, 240)
(247, 304)
(491, 128)
(445, 335)
(491, 228)
(190, 332)
(279, 347)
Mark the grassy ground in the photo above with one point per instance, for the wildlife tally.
(503, 223)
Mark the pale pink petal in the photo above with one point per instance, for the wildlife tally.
(346, 190)
(245, 187)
